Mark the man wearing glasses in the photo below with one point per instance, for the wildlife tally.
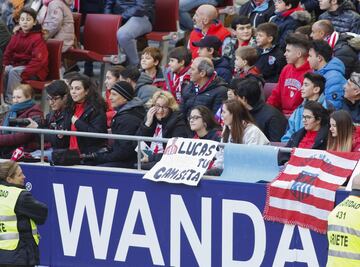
(352, 96)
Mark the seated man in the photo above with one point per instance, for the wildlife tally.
(352, 97)
(137, 19)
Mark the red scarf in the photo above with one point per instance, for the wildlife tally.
(308, 140)
(198, 89)
(78, 111)
(176, 81)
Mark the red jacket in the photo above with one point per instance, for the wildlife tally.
(286, 96)
(29, 50)
(30, 142)
(196, 35)
(356, 140)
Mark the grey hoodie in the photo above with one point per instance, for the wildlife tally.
(144, 88)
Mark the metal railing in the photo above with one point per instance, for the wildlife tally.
(138, 139)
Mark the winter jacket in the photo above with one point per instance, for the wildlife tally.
(334, 72)
(288, 21)
(29, 50)
(56, 18)
(212, 96)
(131, 8)
(125, 122)
(4, 40)
(353, 109)
(9, 142)
(213, 134)
(259, 14)
(159, 79)
(91, 121)
(216, 29)
(26, 208)
(270, 120)
(344, 19)
(270, 63)
(55, 121)
(223, 68)
(295, 122)
(144, 88)
(286, 96)
(356, 140)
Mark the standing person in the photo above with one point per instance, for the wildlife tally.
(24, 213)
(137, 18)
(343, 230)
(26, 56)
(84, 112)
(343, 136)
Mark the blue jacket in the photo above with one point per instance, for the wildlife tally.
(334, 72)
(223, 68)
(131, 8)
(295, 122)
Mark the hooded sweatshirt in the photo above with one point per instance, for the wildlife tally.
(144, 88)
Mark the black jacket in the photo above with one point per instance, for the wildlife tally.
(257, 18)
(353, 109)
(55, 121)
(131, 8)
(91, 120)
(91, 6)
(212, 96)
(27, 207)
(270, 120)
(270, 63)
(125, 122)
(223, 68)
(346, 53)
(344, 19)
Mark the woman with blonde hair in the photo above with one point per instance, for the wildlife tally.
(343, 135)
(163, 120)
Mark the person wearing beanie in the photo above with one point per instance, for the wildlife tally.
(129, 114)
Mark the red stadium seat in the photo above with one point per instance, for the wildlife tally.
(268, 87)
(55, 50)
(77, 25)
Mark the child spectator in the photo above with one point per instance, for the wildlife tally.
(246, 58)
(311, 89)
(177, 74)
(209, 47)
(271, 58)
(286, 96)
(242, 32)
(150, 63)
(289, 16)
(26, 56)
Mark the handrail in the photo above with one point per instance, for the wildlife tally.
(138, 139)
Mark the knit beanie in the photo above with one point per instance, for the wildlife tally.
(124, 89)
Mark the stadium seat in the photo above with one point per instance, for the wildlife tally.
(77, 25)
(249, 163)
(268, 87)
(99, 40)
(55, 50)
(166, 25)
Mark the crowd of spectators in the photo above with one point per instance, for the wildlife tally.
(211, 88)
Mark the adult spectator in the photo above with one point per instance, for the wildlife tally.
(129, 115)
(289, 16)
(343, 135)
(205, 87)
(342, 14)
(23, 107)
(271, 58)
(22, 213)
(10, 12)
(84, 112)
(140, 81)
(259, 11)
(269, 119)
(4, 40)
(209, 47)
(332, 68)
(352, 97)
(206, 23)
(163, 120)
(185, 6)
(342, 45)
(286, 96)
(137, 17)
(57, 21)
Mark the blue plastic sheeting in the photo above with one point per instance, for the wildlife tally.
(250, 163)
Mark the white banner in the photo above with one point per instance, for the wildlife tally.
(184, 161)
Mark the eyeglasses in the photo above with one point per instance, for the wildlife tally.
(160, 107)
(194, 118)
(354, 82)
(53, 99)
(307, 117)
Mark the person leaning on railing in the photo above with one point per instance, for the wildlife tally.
(20, 212)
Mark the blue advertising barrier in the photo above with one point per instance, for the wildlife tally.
(102, 218)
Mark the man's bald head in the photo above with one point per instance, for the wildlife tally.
(209, 11)
(204, 16)
(321, 29)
